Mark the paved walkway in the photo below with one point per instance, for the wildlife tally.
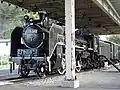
(92, 80)
(5, 74)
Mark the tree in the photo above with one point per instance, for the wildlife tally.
(115, 39)
(10, 17)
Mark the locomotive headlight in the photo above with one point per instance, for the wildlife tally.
(31, 20)
(26, 17)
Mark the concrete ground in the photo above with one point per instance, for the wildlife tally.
(5, 74)
(92, 80)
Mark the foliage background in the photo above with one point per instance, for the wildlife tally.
(10, 17)
(114, 38)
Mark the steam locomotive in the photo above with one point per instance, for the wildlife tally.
(42, 49)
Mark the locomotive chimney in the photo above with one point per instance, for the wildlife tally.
(42, 15)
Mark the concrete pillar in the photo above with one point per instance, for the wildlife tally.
(70, 80)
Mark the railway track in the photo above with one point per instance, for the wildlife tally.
(18, 79)
(33, 77)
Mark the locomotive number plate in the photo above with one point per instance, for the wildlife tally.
(27, 52)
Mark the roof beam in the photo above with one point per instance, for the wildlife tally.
(107, 7)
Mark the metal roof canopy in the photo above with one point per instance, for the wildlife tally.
(98, 16)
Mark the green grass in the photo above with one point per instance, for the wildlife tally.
(4, 62)
(4, 67)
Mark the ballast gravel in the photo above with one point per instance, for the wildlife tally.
(53, 80)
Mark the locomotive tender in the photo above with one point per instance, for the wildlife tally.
(41, 48)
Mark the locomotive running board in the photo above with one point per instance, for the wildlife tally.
(111, 62)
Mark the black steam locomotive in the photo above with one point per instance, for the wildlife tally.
(42, 49)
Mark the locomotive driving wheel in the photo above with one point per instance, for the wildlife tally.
(40, 70)
(61, 70)
(24, 70)
(78, 63)
(102, 59)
